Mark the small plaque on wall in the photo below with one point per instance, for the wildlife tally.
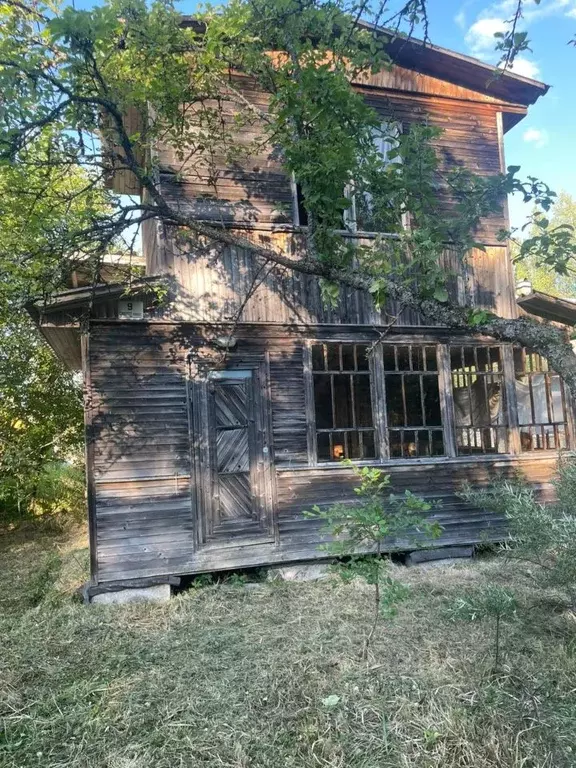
(129, 309)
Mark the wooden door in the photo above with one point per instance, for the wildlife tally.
(239, 504)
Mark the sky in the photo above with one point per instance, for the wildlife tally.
(544, 142)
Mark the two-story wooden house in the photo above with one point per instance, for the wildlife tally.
(213, 423)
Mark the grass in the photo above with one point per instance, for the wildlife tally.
(271, 677)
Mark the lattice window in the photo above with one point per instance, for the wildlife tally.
(342, 402)
(413, 401)
(541, 403)
(479, 399)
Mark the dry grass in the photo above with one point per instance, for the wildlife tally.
(229, 677)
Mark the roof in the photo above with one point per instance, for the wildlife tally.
(549, 307)
(445, 64)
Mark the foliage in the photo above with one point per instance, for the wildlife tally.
(542, 534)
(375, 520)
(528, 263)
(41, 426)
(488, 602)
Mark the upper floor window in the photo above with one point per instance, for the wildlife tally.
(541, 403)
(366, 212)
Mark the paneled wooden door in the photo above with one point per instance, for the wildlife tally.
(239, 489)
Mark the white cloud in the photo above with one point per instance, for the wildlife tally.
(535, 137)
(460, 19)
(525, 67)
(480, 36)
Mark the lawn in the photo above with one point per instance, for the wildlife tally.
(271, 676)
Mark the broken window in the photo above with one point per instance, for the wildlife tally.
(413, 401)
(342, 402)
(369, 209)
(541, 403)
(479, 400)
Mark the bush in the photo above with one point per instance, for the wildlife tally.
(541, 534)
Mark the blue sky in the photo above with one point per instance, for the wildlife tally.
(544, 142)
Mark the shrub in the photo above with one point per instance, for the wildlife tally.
(541, 534)
(376, 520)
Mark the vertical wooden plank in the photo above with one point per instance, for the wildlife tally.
(269, 464)
(509, 378)
(89, 455)
(309, 404)
(446, 399)
(378, 388)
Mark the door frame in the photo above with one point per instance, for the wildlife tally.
(202, 450)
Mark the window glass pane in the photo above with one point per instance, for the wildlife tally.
(323, 443)
(333, 357)
(556, 397)
(362, 358)
(394, 401)
(323, 401)
(432, 412)
(342, 401)
(389, 358)
(539, 397)
(339, 446)
(369, 445)
(363, 401)
(431, 359)
(437, 443)
(403, 359)
(412, 392)
(347, 357)
(317, 357)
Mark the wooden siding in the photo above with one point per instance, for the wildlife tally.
(256, 191)
(145, 519)
(224, 285)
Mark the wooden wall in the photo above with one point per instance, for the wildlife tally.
(144, 514)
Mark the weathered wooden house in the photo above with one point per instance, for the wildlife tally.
(214, 422)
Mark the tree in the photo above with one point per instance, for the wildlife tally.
(532, 267)
(70, 77)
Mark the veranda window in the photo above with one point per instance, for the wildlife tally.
(342, 402)
(479, 400)
(413, 401)
(541, 403)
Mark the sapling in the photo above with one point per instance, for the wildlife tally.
(489, 602)
(377, 522)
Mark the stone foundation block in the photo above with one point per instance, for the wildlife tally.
(159, 593)
(304, 572)
(442, 553)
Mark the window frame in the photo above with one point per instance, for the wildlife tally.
(349, 218)
(377, 376)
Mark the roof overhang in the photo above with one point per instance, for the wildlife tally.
(61, 316)
(549, 307)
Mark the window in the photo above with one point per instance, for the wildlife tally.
(363, 215)
(541, 403)
(413, 401)
(342, 402)
(479, 400)
(409, 401)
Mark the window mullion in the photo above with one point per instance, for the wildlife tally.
(309, 406)
(511, 399)
(446, 399)
(379, 401)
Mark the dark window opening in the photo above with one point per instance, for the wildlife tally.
(343, 402)
(479, 400)
(413, 401)
(541, 403)
(302, 212)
